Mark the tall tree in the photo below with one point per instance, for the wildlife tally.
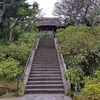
(78, 11)
(20, 13)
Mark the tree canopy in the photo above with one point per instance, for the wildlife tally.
(78, 11)
(15, 13)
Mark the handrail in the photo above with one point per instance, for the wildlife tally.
(62, 67)
(29, 61)
(61, 56)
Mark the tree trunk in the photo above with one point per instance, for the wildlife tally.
(10, 34)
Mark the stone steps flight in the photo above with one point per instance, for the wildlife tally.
(45, 75)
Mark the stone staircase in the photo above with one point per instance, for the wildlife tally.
(45, 75)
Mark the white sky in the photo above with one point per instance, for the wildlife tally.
(46, 5)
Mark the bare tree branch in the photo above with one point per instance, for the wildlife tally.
(78, 11)
(10, 3)
(4, 7)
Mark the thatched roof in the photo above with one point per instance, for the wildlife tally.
(48, 22)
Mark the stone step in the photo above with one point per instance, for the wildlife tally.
(45, 69)
(46, 91)
(46, 50)
(45, 58)
(46, 46)
(45, 72)
(45, 62)
(38, 62)
(47, 65)
(44, 78)
(44, 86)
(46, 55)
(46, 41)
(52, 58)
(45, 75)
(45, 82)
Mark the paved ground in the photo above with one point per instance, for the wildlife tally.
(41, 97)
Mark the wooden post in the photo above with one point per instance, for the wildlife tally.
(40, 33)
(53, 33)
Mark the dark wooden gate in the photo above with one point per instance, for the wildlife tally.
(48, 26)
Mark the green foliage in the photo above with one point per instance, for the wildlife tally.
(13, 55)
(2, 52)
(47, 34)
(20, 49)
(27, 38)
(4, 33)
(91, 90)
(97, 74)
(70, 93)
(80, 46)
(19, 53)
(19, 14)
(4, 42)
(75, 75)
(10, 68)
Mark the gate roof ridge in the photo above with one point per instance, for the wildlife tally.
(48, 21)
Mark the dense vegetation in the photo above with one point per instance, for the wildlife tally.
(80, 46)
(17, 35)
(75, 12)
(13, 58)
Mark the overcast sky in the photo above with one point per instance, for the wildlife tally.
(47, 5)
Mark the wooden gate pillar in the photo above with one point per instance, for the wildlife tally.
(40, 33)
(53, 33)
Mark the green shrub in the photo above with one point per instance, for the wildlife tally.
(10, 68)
(20, 53)
(27, 38)
(70, 93)
(4, 42)
(80, 46)
(16, 52)
(20, 49)
(91, 90)
(75, 75)
(2, 52)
